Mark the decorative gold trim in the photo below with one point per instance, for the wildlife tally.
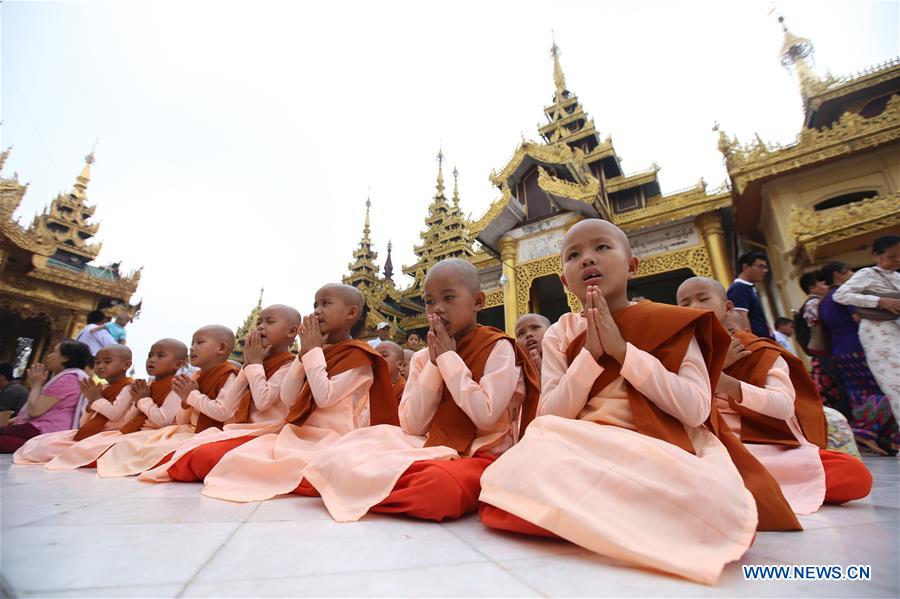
(585, 192)
(813, 229)
(556, 153)
(630, 181)
(696, 258)
(672, 208)
(838, 87)
(492, 299)
(850, 134)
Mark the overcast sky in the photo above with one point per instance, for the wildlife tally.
(237, 141)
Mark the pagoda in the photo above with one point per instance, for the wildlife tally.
(446, 233)
(48, 279)
(570, 174)
(573, 173)
(833, 190)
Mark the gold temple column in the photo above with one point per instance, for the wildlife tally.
(714, 238)
(510, 303)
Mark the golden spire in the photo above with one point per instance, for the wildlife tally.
(455, 187)
(797, 52)
(366, 225)
(389, 264)
(3, 156)
(82, 180)
(363, 268)
(440, 175)
(558, 77)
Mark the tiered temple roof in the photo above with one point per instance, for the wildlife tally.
(446, 234)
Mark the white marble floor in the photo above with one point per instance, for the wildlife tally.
(72, 534)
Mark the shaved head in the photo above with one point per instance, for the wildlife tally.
(122, 352)
(408, 354)
(349, 294)
(597, 226)
(539, 317)
(177, 348)
(460, 269)
(287, 312)
(392, 348)
(697, 283)
(218, 332)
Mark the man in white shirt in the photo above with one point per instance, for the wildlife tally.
(383, 330)
(95, 335)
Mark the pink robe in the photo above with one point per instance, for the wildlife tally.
(267, 413)
(362, 468)
(582, 471)
(272, 464)
(798, 470)
(43, 448)
(144, 450)
(88, 451)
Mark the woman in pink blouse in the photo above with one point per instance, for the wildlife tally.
(52, 404)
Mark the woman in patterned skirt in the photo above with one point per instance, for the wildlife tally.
(871, 418)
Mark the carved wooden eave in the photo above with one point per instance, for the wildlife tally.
(673, 208)
(40, 244)
(831, 88)
(70, 239)
(604, 149)
(750, 166)
(630, 181)
(503, 215)
(820, 234)
(585, 198)
(850, 134)
(122, 287)
(558, 154)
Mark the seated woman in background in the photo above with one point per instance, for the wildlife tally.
(871, 418)
(52, 404)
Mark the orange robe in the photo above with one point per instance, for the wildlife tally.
(342, 386)
(252, 402)
(781, 421)
(143, 450)
(622, 462)
(456, 416)
(105, 417)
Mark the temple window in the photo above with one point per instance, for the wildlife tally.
(844, 199)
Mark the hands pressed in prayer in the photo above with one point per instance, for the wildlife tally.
(439, 340)
(254, 352)
(37, 375)
(140, 389)
(603, 334)
(310, 334)
(91, 390)
(183, 384)
(535, 358)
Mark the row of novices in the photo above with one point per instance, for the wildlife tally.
(646, 433)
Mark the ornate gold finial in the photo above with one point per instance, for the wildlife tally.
(79, 190)
(559, 79)
(797, 53)
(368, 206)
(455, 187)
(3, 156)
(440, 175)
(259, 301)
